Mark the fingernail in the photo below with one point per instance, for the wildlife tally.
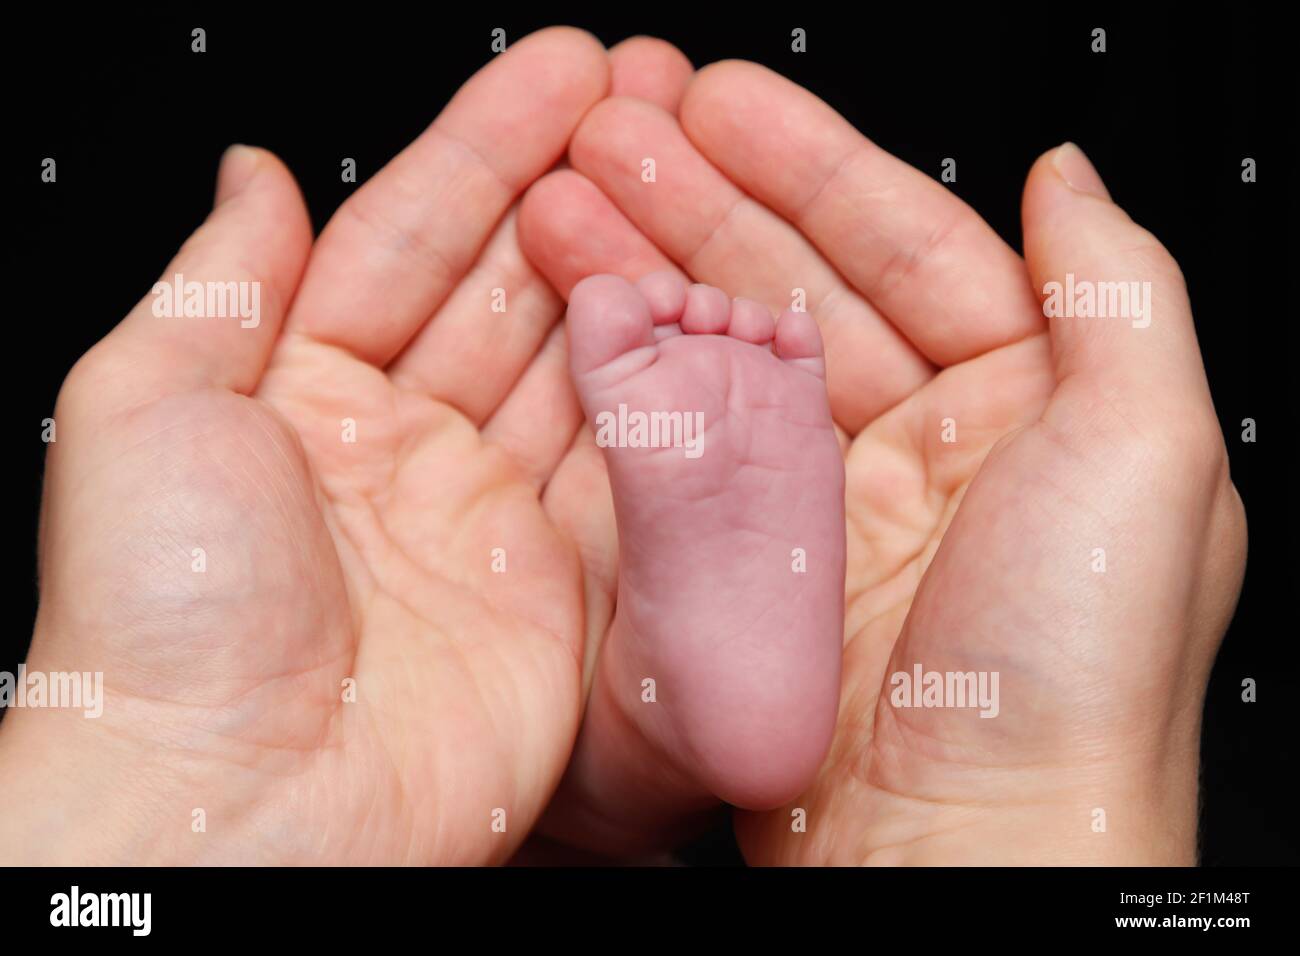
(1078, 173)
(235, 172)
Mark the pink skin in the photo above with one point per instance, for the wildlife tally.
(744, 651)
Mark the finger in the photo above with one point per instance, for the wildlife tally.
(649, 69)
(569, 230)
(722, 237)
(473, 351)
(916, 251)
(238, 271)
(1121, 323)
(536, 424)
(395, 250)
(580, 503)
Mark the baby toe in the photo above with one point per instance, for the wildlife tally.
(707, 311)
(665, 293)
(751, 322)
(607, 318)
(799, 342)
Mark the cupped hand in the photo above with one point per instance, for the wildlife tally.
(310, 554)
(1047, 501)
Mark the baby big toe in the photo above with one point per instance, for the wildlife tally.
(607, 318)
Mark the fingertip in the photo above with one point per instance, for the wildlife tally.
(525, 103)
(569, 229)
(714, 80)
(614, 127)
(1076, 171)
(736, 100)
(255, 188)
(586, 58)
(651, 69)
(235, 170)
(577, 49)
(723, 71)
(1058, 178)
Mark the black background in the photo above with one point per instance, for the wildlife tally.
(137, 122)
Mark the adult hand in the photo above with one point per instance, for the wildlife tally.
(1076, 442)
(278, 542)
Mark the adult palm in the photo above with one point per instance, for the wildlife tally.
(310, 555)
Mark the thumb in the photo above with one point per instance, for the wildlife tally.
(215, 312)
(1115, 299)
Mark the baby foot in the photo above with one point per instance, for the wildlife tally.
(728, 485)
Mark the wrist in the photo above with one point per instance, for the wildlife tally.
(1126, 815)
(77, 796)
